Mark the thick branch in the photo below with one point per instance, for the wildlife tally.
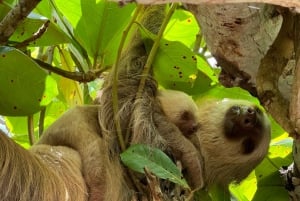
(295, 97)
(238, 36)
(295, 4)
(270, 69)
(9, 24)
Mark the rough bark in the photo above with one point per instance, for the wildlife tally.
(10, 22)
(293, 4)
(238, 36)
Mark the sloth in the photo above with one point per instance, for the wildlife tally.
(216, 142)
(142, 119)
(233, 139)
(72, 159)
(43, 173)
(180, 109)
(212, 142)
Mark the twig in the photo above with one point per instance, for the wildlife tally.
(41, 121)
(115, 79)
(77, 76)
(30, 126)
(9, 23)
(35, 36)
(198, 42)
(154, 186)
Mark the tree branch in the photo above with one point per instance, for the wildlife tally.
(270, 69)
(35, 36)
(9, 23)
(294, 4)
(76, 76)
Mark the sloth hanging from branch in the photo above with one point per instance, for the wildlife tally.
(78, 156)
(217, 143)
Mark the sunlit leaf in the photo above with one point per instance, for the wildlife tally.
(25, 87)
(70, 89)
(98, 25)
(174, 63)
(31, 25)
(182, 27)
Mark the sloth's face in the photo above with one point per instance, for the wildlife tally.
(243, 120)
(247, 123)
(240, 123)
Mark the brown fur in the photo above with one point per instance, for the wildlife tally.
(79, 129)
(224, 157)
(143, 118)
(180, 109)
(47, 173)
(58, 168)
(210, 154)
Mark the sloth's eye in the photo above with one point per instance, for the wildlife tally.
(235, 109)
(185, 116)
(258, 110)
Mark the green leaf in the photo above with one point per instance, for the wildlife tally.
(182, 27)
(4, 9)
(219, 92)
(139, 156)
(98, 25)
(31, 25)
(25, 87)
(174, 63)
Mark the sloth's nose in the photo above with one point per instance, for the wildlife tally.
(248, 115)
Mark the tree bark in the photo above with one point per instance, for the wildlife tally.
(10, 22)
(293, 4)
(238, 36)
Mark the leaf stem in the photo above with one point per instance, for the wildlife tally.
(30, 126)
(154, 50)
(115, 79)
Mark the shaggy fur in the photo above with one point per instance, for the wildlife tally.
(214, 144)
(79, 129)
(225, 159)
(73, 150)
(47, 173)
(143, 120)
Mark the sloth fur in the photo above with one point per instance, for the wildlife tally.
(220, 142)
(232, 138)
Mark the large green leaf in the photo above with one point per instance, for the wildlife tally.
(98, 25)
(139, 156)
(174, 63)
(108, 21)
(32, 24)
(182, 27)
(4, 9)
(25, 87)
(219, 92)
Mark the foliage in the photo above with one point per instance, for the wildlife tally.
(83, 37)
(139, 156)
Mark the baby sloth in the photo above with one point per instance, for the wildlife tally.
(233, 139)
(180, 109)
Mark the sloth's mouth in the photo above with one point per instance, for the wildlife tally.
(242, 120)
(244, 116)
